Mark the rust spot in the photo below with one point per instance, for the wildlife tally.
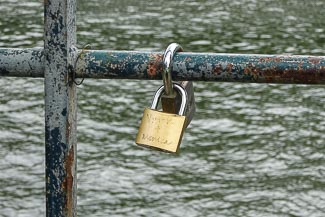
(250, 69)
(314, 60)
(270, 59)
(307, 76)
(217, 69)
(155, 65)
(229, 67)
(67, 131)
(67, 184)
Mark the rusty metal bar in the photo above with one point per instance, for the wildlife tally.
(204, 67)
(60, 107)
(187, 66)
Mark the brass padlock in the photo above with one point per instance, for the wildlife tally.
(160, 130)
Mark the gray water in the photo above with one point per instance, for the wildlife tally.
(251, 150)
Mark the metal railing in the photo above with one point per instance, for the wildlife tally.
(60, 62)
(103, 64)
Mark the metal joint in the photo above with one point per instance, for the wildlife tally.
(74, 68)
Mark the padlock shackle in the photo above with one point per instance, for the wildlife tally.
(167, 60)
(182, 92)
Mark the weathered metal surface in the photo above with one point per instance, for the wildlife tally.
(204, 67)
(21, 62)
(60, 107)
(186, 66)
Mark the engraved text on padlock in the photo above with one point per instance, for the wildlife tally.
(162, 130)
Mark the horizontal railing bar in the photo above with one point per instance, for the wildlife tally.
(22, 62)
(204, 67)
(103, 64)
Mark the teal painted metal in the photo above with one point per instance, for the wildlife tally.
(60, 107)
(186, 66)
(204, 67)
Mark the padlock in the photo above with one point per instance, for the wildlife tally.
(170, 100)
(161, 130)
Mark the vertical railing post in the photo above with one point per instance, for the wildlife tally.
(60, 107)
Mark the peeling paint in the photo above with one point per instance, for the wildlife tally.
(186, 66)
(21, 62)
(314, 60)
(68, 182)
(207, 67)
(57, 60)
(155, 65)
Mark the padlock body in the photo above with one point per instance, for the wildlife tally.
(161, 130)
(190, 108)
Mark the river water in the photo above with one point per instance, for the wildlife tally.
(251, 150)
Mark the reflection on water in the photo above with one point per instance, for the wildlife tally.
(251, 150)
